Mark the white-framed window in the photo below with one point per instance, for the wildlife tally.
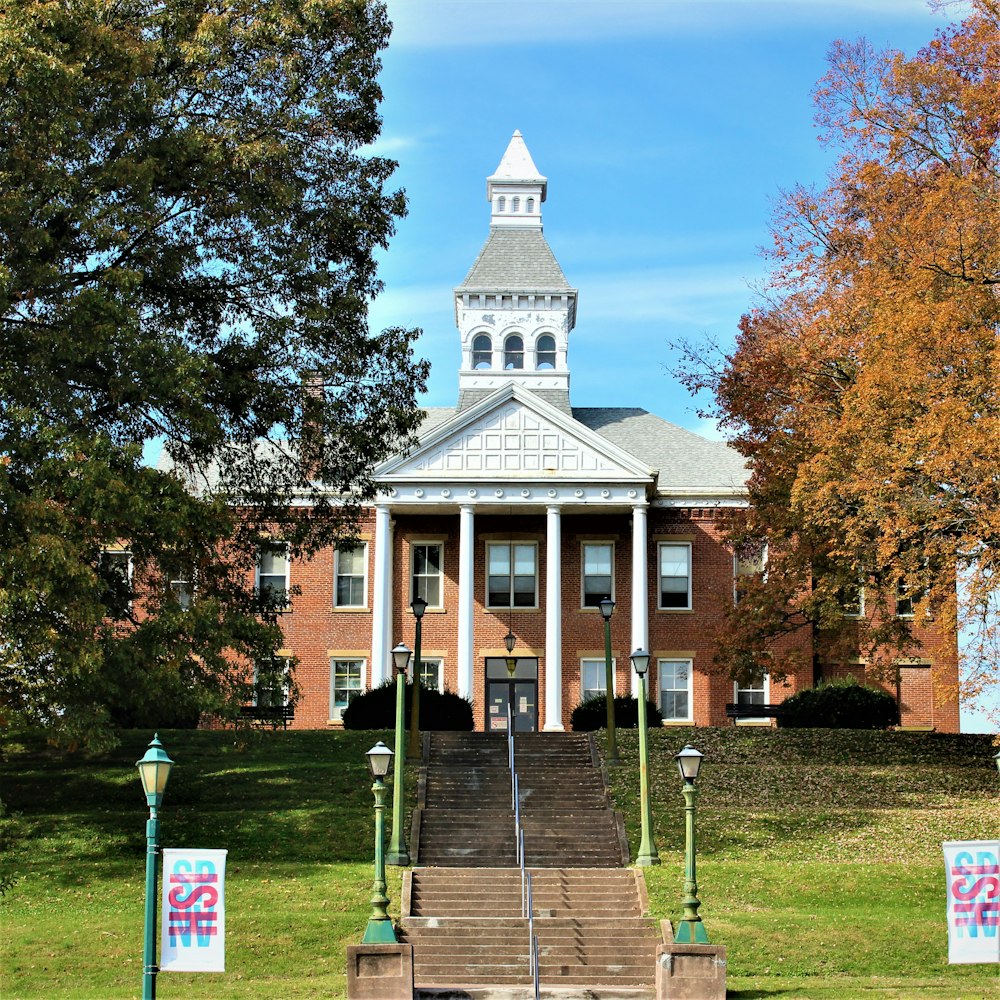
(675, 575)
(675, 680)
(748, 565)
(501, 205)
(529, 206)
(350, 576)
(515, 204)
(513, 352)
(432, 672)
(512, 575)
(907, 600)
(754, 692)
(115, 569)
(852, 601)
(182, 589)
(545, 352)
(598, 572)
(427, 572)
(273, 567)
(593, 677)
(271, 682)
(346, 678)
(482, 351)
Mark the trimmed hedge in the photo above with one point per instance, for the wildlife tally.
(376, 709)
(839, 704)
(593, 714)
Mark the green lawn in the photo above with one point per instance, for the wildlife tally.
(819, 859)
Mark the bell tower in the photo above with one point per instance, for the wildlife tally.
(515, 309)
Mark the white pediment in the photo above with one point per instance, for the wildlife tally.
(514, 435)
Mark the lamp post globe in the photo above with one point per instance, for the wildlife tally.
(379, 929)
(154, 770)
(398, 854)
(607, 607)
(648, 855)
(690, 929)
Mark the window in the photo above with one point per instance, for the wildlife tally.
(529, 206)
(482, 352)
(852, 600)
(501, 205)
(272, 575)
(271, 682)
(598, 579)
(515, 204)
(345, 684)
(513, 352)
(182, 589)
(907, 600)
(675, 575)
(545, 352)
(349, 574)
(748, 565)
(593, 675)
(432, 672)
(115, 569)
(675, 690)
(427, 563)
(753, 692)
(511, 575)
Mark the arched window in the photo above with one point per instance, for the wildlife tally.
(529, 206)
(545, 352)
(501, 205)
(513, 352)
(515, 204)
(482, 351)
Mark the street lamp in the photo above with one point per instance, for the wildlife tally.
(509, 642)
(690, 929)
(418, 606)
(379, 929)
(398, 854)
(154, 769)
(607, 606)
(647, 849)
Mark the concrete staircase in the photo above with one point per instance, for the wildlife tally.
(462, 902)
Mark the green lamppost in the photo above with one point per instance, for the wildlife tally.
(379, 929)
(647, 849)
(154, 769)
(607, 606)
(398, 854)
(690, 929)
(418, 606)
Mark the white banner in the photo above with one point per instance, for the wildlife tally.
(193, 936)
(973, 871)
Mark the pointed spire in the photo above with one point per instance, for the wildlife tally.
(516, 189)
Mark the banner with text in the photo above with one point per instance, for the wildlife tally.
(973, 871)
(193, 936)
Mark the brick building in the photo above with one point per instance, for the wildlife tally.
(519, 512)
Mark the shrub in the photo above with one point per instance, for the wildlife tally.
(840, 704)
(376, 709)
(593, 714)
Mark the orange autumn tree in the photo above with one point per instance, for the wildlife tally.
(865, 392)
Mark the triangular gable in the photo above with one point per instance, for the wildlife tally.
(514, 434)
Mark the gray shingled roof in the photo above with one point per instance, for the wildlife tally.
(515, 260)
(684, 461)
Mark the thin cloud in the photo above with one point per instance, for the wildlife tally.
(446, 23)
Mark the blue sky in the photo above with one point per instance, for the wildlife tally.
(666, 128)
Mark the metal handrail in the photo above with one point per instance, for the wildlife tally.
(534, 955)
(518, 832)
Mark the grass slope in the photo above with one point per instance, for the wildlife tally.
(819, 859)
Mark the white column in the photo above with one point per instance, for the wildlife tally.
(553, 619)
(640, 589)
(466, 585)
(381, 596)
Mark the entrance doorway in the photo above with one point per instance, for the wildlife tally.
(521, 693)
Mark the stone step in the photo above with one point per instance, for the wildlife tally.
(546, 992)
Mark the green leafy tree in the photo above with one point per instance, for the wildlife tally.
(187, 227)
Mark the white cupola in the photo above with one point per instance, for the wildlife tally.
(515, 309)
(516, 189)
